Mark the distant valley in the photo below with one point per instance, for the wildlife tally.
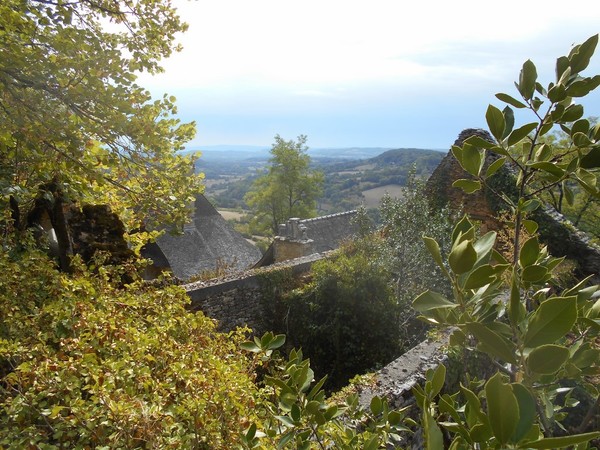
(353, 176)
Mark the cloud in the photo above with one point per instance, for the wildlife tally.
(279, 61)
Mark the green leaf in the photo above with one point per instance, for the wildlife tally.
(55, 412)
(572, 113)
(550, 168)
(510, 100)
(463, 228)
(595, 132)
(503, 408)
(312, 407)
(316, 388)
(458, 153)
(494, 167)
(585, 357)
(569, 195)
(472, 159)
(581, 126)
(251, 432)
(457, 338)
(277, 342)
(581, 54)
(437, 381)
(557, 94)
(288, 422)
(484, 246)
(527, 79)
(581, 140)
(547, 359)
(473, 411)
(265, 340)
(543, 153)
(462, 257)
(376, 405)
(295, 413)
(395, 418)
(481, 432)
(527, 411)
(479, 142)
(434, 250)
(594, 311)
(531, 226)
(591, 160)
(430, 300)
(562, 442)
(530, 205)
(468, 186)
(372, 444)
(529, 252)
(562, 64)
(285, 437)
(448, 406)
(495, 121)
(250, 347)
(434, 439)
(534, 273)
(552, 320)
(564, 78)
(480, 277)
(509, 118)
(583, 87)
(493, 343)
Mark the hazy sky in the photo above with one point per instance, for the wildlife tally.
(372, 73)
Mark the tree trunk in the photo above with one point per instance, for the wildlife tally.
(59, 223)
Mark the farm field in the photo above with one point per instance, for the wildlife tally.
(374, 196)
(232, 214)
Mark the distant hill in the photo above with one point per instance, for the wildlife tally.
(402, 156)
(219, 153)
(346, 178)
(347, 183)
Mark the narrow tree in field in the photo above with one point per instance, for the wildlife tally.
(289, 188)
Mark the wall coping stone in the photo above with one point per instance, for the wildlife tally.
(396, 380)
(200, 290)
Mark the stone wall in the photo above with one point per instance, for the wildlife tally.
(243, 300)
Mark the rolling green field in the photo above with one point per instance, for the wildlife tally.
(374, 196)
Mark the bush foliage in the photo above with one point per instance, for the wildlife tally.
(88, 364)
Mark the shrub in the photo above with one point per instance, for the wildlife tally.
(88, 364)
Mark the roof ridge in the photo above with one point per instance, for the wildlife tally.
(329, 216)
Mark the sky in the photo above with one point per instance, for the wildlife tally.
(378, 73)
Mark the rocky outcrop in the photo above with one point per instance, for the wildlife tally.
(440, 190)
(561, 237)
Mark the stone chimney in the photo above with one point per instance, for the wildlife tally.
(292, 241)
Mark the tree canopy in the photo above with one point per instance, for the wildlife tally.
(290, 187)
(72, 115)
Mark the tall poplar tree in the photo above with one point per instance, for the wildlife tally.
(290, 188)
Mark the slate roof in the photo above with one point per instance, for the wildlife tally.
(207, 242)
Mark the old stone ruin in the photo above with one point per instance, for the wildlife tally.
(240, 301)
